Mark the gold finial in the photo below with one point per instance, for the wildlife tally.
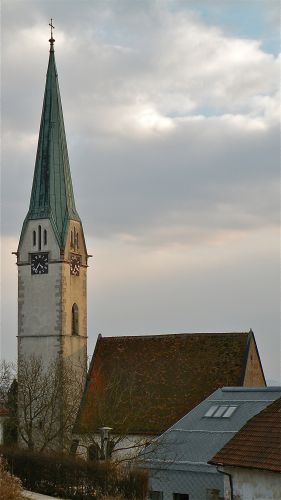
(52, 40)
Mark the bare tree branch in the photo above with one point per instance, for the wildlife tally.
(7, 375)
(48, 401)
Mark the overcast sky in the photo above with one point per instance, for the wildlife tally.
(171, 111)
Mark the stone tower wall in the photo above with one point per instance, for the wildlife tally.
(253, 373)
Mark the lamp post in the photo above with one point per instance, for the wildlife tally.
(104, 432)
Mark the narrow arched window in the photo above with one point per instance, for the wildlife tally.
(75, 320)
(34, 238)
(77, 241)
(93, 452)
(39, 237)
(71, 239)
(45, 236)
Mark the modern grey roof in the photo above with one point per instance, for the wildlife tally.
(193, 440)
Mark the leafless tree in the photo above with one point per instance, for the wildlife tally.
(7, 375)
(8, 400)
(111, 404)
(48, 400)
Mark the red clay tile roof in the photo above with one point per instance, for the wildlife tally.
(145, 384)
(258, 444)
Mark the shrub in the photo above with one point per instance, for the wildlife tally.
(69, 477)
(10, 486)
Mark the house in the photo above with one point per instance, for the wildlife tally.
(141, 385)
(252, 458)
(178, 459)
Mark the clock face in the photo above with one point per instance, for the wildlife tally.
(39, 263)
(75, 265)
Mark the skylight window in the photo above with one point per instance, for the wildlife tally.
(220, 411)
(211, 411)
(230, 410)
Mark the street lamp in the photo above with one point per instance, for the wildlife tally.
(104, 432)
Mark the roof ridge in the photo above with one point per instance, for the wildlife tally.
(271, 388)
(159, 335)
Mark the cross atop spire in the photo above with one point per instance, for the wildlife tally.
(52, 27)
(52, 40)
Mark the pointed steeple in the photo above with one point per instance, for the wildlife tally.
(52, 192)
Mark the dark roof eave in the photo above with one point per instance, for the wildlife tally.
(244, 466)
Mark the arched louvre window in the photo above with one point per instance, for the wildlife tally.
(45, 236)
(74, 238)
(94, 452)
(75, 320)
(71, 240)
(39, 237)
(34, 238)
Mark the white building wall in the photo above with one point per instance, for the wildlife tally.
(39, 297)
(27, 246)
(127, 448)
(39, 301)
(45, 303)
(201, 485)
(253, 484)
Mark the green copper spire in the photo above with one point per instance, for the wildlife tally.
(52, 193)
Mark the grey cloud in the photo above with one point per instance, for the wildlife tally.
(200, 180)
(169, 58)
(186, 181)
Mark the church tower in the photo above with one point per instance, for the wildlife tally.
(52, 254)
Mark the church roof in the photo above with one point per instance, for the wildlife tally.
(52, 192)
(258, 444)
(143, 384)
